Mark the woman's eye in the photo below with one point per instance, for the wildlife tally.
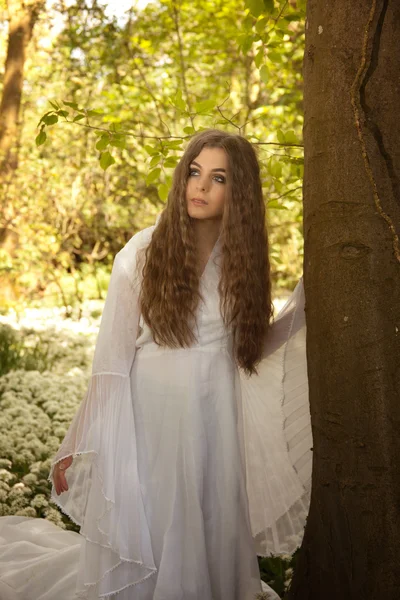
(218, 178)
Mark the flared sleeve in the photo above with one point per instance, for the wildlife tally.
(104, 495)
(277, 434)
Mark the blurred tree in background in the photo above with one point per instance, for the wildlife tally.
(106, 106)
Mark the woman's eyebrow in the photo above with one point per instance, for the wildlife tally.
(217, 169)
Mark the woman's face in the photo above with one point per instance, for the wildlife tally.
(206, 186)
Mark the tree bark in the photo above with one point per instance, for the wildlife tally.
(22, 15)
(352, 281)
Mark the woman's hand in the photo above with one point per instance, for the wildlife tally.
(60, 482)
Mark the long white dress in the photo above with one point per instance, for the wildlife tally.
(184, 469)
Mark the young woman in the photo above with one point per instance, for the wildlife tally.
(191, 452)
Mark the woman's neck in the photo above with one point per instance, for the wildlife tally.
(207, 233)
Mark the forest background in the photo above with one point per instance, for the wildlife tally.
(127, 93)
(109, 100)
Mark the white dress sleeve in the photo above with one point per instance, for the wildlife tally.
(277, 434)
(104, 495)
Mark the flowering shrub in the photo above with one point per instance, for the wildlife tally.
(49, 350)
(44, 378)
(277, 571)
(36, 409)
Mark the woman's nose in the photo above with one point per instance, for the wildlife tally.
(201, 185)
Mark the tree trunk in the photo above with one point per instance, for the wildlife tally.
(351, 546)
(22, 15)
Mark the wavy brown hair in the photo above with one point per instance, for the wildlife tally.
(170, 286)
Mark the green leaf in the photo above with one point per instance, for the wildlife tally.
(280, 136)
(54, 105)
(291, 138)
(261, 24)
(247, 43)
(71, 105)
(295, 16)
(155, 160)
(275, 204)
(259, 57)
(266, 181)
(152, 176)
(276, 169)
(173, 144)
(118, 142)
(151, 150)
(256, 7)
(163, 191)
(274, 57)
(301, 5)
(103, 142)
(94, 113)
(247, 23)
(269, 6)
(264, 74)
(63, 113)
(41, 138)
(178, 101)
(106, 160)
(78, 118)
(189, 130)
(204, 106)
(275, 259)
(50, 119)
(45, 115)
(171, 161)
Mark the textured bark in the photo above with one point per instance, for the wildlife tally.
(22, 15)
(351, 546)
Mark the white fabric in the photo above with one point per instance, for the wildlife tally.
(277, 434)
(38, 560)
(183, 468)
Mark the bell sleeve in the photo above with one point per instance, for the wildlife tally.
(104, 495)
(277, 434)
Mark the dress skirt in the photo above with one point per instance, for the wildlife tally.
(192, 476)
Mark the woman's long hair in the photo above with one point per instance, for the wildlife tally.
(170, 286)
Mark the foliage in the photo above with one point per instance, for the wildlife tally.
(33, 351)
(36, 410)
(117, 101)
(277, 571)
(33, 422)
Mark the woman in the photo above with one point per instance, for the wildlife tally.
(191, 451)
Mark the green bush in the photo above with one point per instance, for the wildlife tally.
(11, 349)
(33, 422)
(43, 377)
(277, 571)
(48, 350)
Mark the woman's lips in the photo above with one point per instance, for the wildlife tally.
(199, 202)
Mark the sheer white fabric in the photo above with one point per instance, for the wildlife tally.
(38, 560)
(184, 469)
(104, 494)
(277, 434)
